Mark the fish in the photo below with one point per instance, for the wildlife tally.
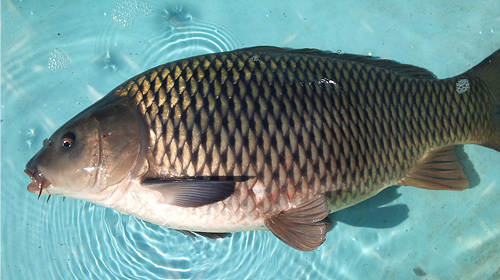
(266, 138)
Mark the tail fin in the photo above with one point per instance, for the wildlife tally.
(489, 71)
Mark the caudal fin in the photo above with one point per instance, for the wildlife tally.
(489, 71)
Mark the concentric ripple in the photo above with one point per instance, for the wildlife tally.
(90, 240)
(185, 36)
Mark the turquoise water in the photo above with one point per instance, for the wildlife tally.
(60, 57)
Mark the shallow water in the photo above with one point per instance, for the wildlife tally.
(58, 59)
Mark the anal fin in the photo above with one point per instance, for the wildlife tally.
(302, 228)
(438, 169)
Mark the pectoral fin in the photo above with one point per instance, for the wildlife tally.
(194, 192)
(438, 170)
(304, 227)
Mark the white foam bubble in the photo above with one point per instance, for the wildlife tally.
(125, 12)
(58, 59)
(462, 86)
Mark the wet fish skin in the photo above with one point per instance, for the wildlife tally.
(278, 117)
(303, 127)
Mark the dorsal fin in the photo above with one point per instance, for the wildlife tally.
(438, 170)
(404, 69)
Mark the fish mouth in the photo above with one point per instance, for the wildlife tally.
(39, 182)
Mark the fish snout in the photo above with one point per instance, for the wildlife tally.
(39, 182)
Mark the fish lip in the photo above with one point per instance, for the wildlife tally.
(39, 182)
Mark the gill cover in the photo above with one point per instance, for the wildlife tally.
(98, 148)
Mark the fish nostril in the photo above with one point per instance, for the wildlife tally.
(47, 142)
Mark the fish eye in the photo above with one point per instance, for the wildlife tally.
(67, 140)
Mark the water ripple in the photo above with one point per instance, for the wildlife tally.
(187, 38)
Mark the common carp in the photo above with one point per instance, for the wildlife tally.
(269, 138)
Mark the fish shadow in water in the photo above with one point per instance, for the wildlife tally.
(372, 213)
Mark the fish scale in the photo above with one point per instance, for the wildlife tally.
(269, 138)
(301, 124)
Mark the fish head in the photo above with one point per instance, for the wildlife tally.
(89, 155)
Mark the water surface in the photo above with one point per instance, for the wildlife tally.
(59, 58)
